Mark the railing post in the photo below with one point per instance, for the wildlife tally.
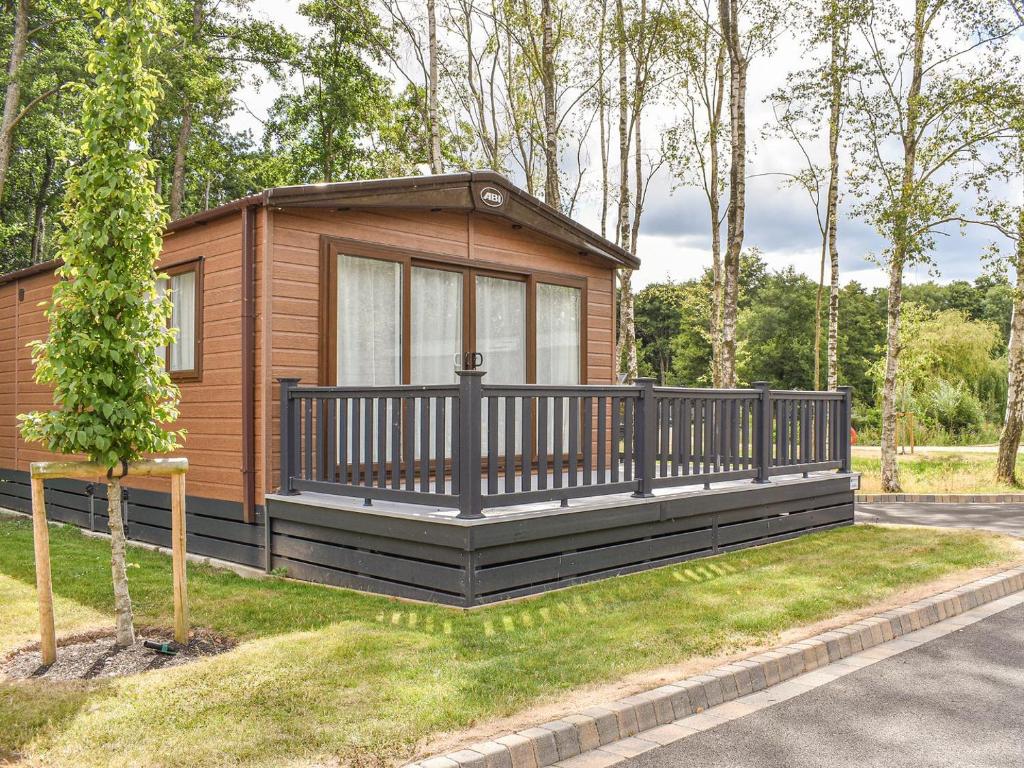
(763, 433)
(469, 445)
(646, 437)
(288, 426)
(846, 424)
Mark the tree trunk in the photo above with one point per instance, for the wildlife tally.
(729, 10)
(817, 311)
(836, 75)
(551, 191)
(12, 98)
(901, 236)
(627, 327)
(178, 174)
(39, 217)
(715, 209)
(125, 635)
(602, 111)
(436, 165)
(1009, 438)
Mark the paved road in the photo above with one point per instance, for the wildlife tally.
(1003, 518)
(955, 701)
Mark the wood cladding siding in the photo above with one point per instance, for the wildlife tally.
(210, 406)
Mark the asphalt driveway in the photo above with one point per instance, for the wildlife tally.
(954, 701)
(1002, 518)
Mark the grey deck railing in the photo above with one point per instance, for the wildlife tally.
(472, 446)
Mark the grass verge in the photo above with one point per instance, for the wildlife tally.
(924, 472)
(324, 673)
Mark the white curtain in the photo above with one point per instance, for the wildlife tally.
(436, 325)
(558, 334)
(558, 347)
(369, 322)
(501, 339)
(183, 317)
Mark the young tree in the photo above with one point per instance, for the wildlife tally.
(927, 93)
(113, 396)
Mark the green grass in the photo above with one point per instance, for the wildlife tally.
(924, 472)
(323, 673)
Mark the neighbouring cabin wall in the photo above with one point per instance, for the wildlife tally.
(293, 326)
(210, 408)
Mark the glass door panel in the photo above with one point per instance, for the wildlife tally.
(369, 322)
(558, 334)
(501, 339)
(436, 306)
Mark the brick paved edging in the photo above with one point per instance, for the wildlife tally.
(941, 498)
(600, 725)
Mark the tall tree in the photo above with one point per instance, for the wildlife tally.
(436, 162)
(927, 92)
(12, 96)
(696, 147)
(748, 29)
(112, 393)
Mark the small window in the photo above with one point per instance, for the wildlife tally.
(183, 356)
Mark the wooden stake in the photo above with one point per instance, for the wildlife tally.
(178, 558)
(44, 587)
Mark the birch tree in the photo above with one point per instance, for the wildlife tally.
(697, 147)
(922, 108)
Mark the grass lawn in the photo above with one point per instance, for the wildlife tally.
(935, 472)
(325, 673)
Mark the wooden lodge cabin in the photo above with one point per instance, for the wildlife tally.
(370, 268)
(371, 294)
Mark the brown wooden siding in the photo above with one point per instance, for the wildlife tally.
(210, 408)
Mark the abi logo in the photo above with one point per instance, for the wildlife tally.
(492, 197)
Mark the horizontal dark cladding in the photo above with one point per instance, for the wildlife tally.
(214, 527)
(467, 565)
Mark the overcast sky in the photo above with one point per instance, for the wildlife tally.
(674, 240)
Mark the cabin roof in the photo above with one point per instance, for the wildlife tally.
(485, 192)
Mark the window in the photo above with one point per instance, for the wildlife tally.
(183, 357)
(558, 334)
(369, 335)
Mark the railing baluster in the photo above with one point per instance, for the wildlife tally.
(440, 454)
(586, 440)
(307, 463)
(409, 438)
(526, 419)
(321, 442)
(368, 442)
(424, 444)
(396, 443)
(685, 438)
(510, 444)
(356, 462)
(574, 425)
(557, 465)
(382, 442)
(664, 406)
(332, 454)
(602, 437)
(628, 443)
(343, 440)
(542, 443)
(492, 445)
(616, 415)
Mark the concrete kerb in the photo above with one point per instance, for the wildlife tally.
(633, 716)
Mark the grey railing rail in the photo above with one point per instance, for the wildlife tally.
(473, 446)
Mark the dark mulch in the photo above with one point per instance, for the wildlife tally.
(94, 655)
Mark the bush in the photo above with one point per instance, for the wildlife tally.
(953, 407)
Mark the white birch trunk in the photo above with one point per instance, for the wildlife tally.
(436, 164)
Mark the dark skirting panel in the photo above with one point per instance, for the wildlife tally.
(475, 562)
(214, 528)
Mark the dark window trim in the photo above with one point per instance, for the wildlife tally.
(196, 373)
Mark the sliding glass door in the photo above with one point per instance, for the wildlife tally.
(369, 325)
(501, 328)
(436, 325)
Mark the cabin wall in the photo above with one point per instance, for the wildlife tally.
(296, 234)
(211, 408)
